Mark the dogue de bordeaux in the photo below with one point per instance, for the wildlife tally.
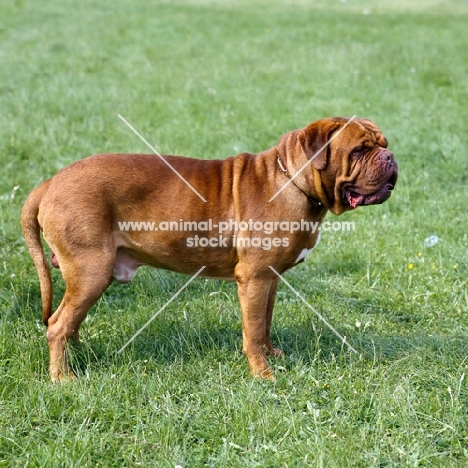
(334, 164)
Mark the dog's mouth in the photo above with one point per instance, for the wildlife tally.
(354, 199)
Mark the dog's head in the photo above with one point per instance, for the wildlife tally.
(343, 163)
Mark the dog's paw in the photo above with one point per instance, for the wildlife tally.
(275, 352)
(63, 377)
(267, 374)
(259, 367)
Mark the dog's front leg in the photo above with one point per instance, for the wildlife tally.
(254, 294)
(275, 352)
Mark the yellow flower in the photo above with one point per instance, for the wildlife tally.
(410, 266)
(419, 254)
(454, 267)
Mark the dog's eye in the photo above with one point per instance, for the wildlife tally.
(358, 152)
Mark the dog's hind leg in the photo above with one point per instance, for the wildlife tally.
(86, 277)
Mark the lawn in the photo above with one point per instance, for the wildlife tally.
(210, 79)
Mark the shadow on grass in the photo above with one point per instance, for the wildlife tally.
(218, 336)
(302, 343)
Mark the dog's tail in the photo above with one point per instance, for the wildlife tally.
(32, 235)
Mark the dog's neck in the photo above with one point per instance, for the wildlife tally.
(283, 168)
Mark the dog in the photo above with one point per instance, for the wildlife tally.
(334, 164)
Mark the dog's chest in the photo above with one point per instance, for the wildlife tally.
(304, 253)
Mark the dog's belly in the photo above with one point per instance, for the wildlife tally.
(125, 268)
(173, 251)
(217, 263)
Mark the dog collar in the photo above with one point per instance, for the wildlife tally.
(311, 199)
(282, 167)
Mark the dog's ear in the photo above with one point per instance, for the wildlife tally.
(315, 137)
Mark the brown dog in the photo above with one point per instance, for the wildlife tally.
(81, 210)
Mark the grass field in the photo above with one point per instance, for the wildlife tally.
(212, 79)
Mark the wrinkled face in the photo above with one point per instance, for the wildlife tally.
(371, 171)
(341, 163)
(357, 169)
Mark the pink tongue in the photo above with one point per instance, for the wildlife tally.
(354, 199)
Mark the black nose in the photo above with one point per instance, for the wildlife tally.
(386, 156)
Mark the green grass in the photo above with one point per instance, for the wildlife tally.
(209, 79)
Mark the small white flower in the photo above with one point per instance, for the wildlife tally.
(13, 193)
